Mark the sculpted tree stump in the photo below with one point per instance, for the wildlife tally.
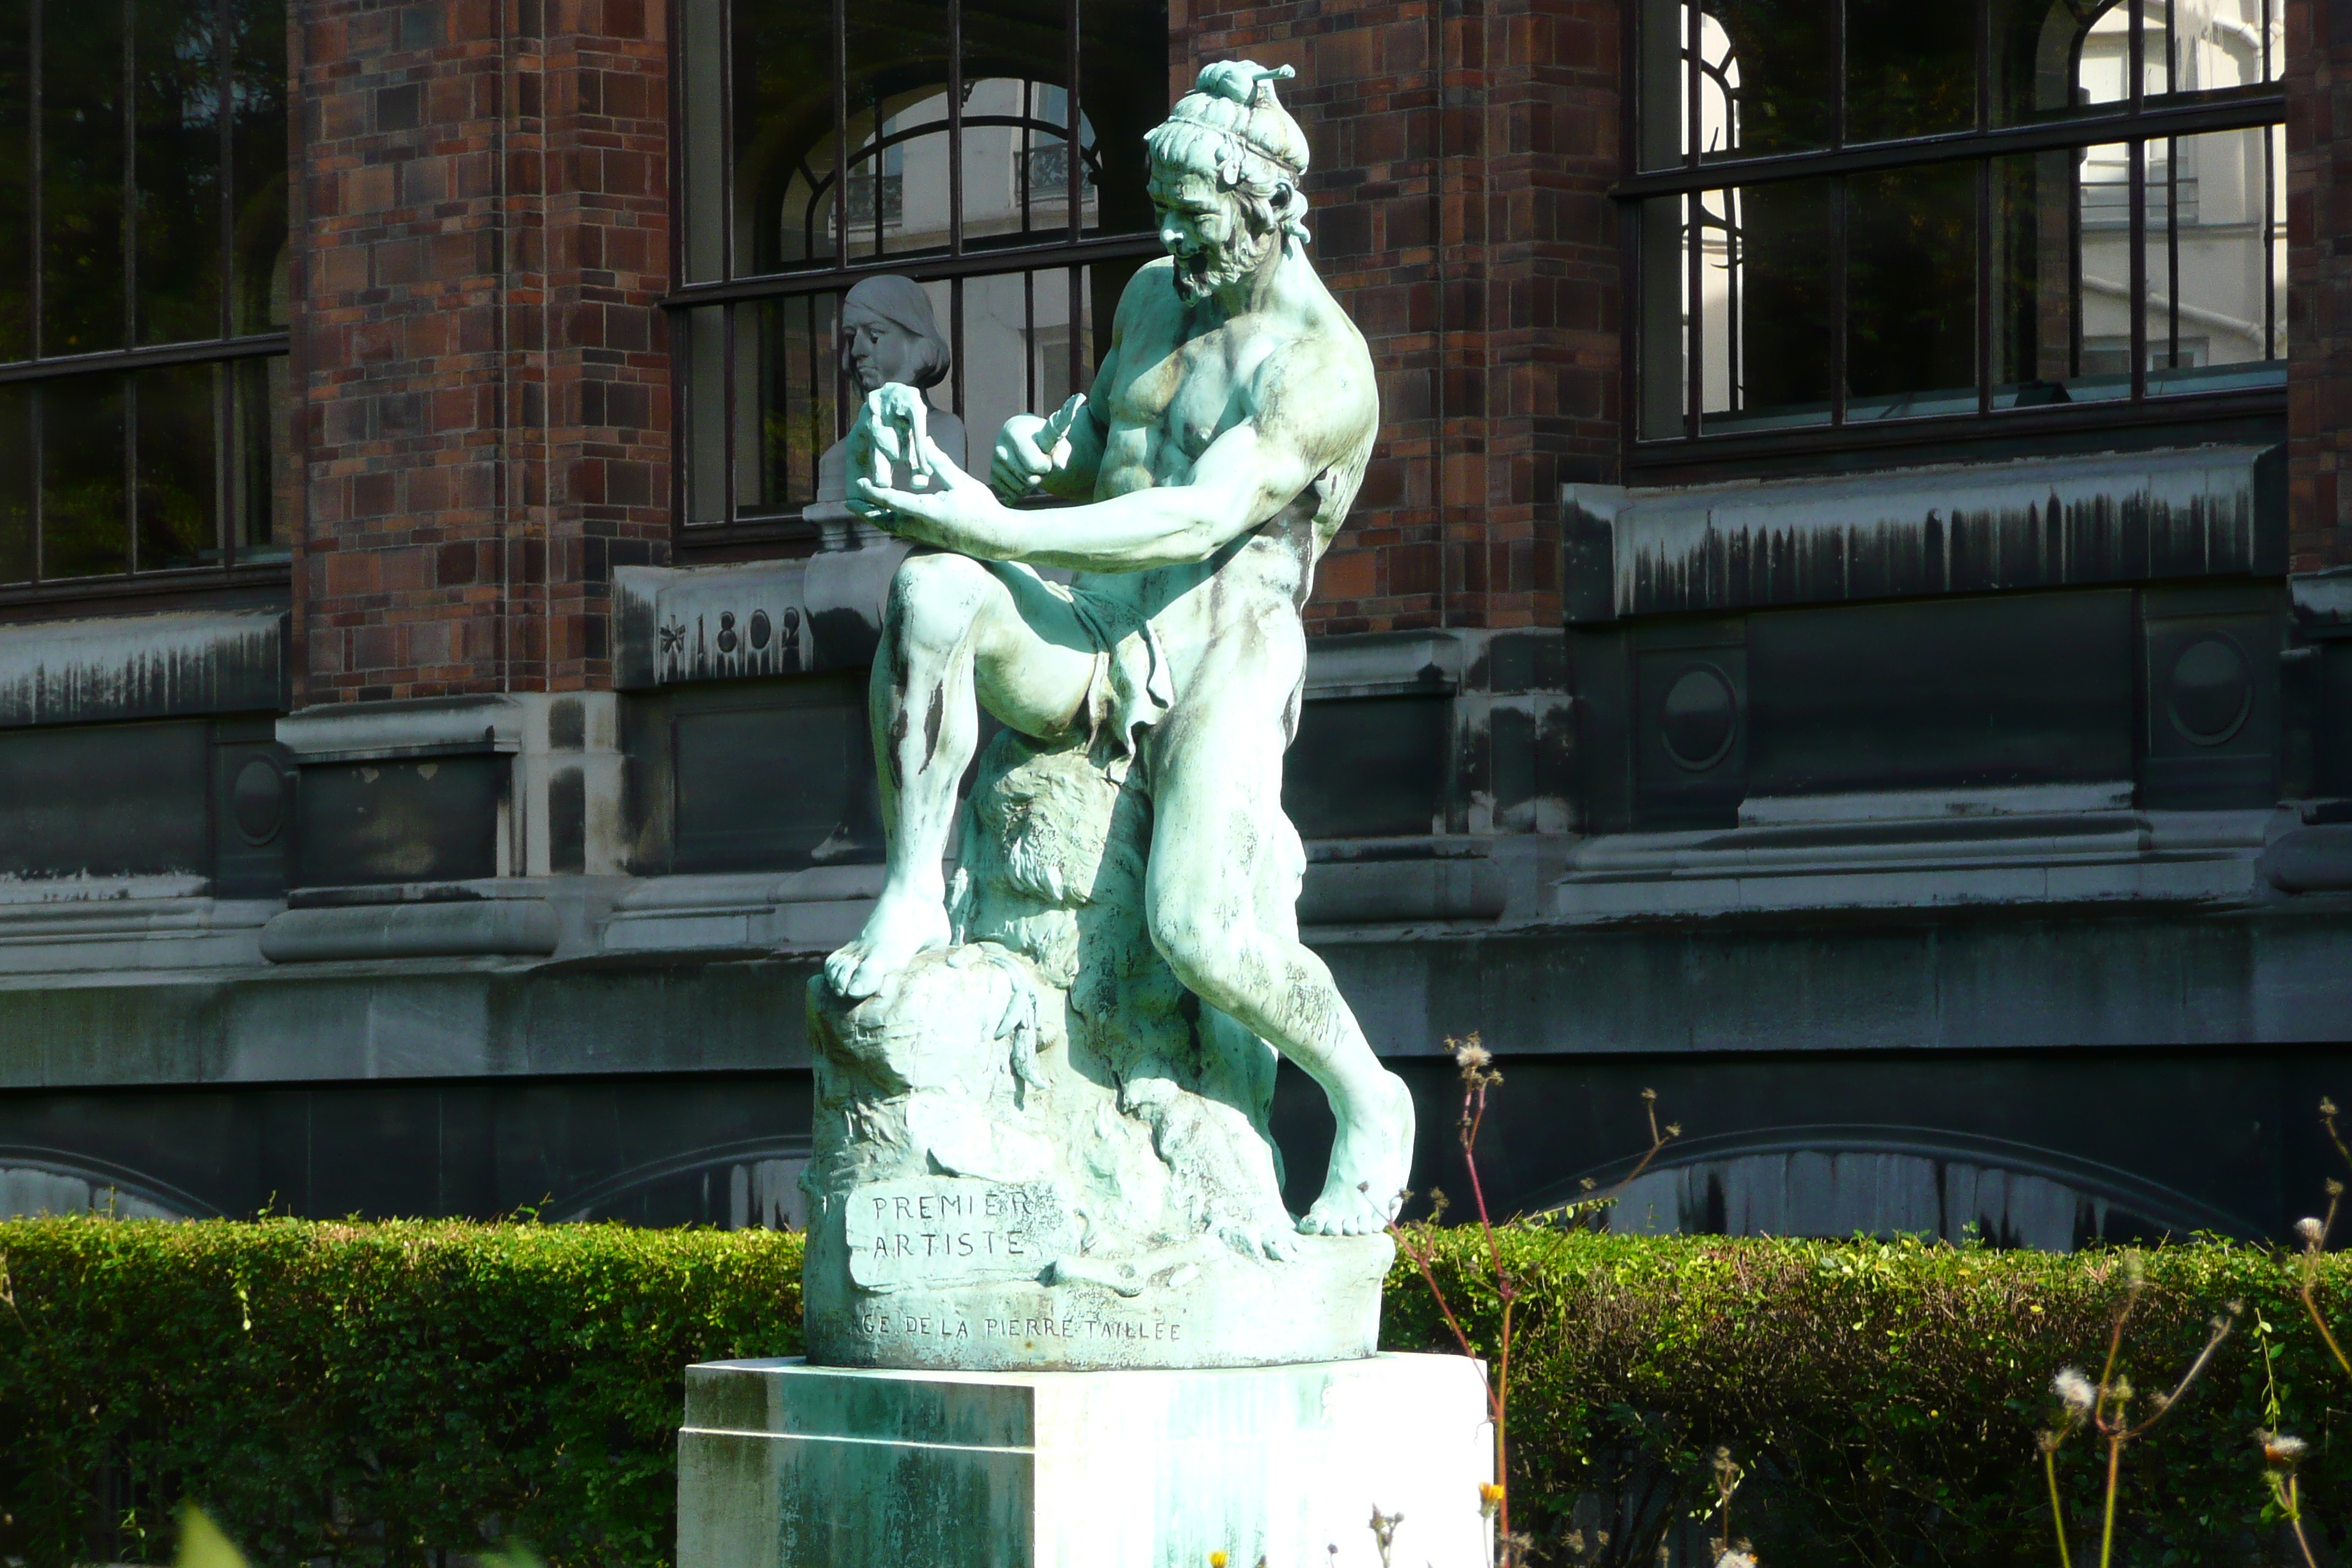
(1035, 1149)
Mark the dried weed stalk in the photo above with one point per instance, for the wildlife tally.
(2104, 1409)
(1476, 1066)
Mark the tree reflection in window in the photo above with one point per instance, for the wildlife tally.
(144, 289)
(1827, 253)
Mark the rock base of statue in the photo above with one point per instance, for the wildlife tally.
(1035, 1149)
(793, 1466)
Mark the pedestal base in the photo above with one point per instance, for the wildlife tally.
(784, 1465)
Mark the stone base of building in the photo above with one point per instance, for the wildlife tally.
(808, 1466)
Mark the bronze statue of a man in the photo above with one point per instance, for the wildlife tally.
(1217, 456)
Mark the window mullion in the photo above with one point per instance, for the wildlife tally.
(131, 468)
(2172, 246)
(2136, 55)
(1984, 66)
(1694, 313)
(1691, 38)
(224, 70)
(727, 410)
(1073, 172)
(955, 141)
(39, 401)
(35, 151)
(2138, 165)
(130, 174)
(1837, 300)
(840, 163)
(1837, 76)
(1984, 286)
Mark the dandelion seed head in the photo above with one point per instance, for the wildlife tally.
(2075, 1391)
(2310, 1232)
(2279, 1452)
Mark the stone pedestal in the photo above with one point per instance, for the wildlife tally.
(784, 1465)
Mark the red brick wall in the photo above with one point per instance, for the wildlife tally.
(2319, 271)
(1498, 313)
(487, 414)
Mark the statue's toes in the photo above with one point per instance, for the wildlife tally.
(866, 980)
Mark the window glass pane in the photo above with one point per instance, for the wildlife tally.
(1911, 292)
(16, 483)
(783, 144)
(788, 363)
(703, 337)
(82, 174)
(1016, 161)
(15, 185)
(2102, 272)
(1665, 316)
(2055, 58)
(1662, 105)
(2102, 63)
(2060, 277)
(2215, 262)
(1123, 92)
(2213, 48)
(1016, 117)
(993, 366)
(179, 491)
(897, 129)
(179, 169)
(83, 518)
(257, 109)
(1911, 70)
(268, 469)
(1765, 258)
(1774, 62)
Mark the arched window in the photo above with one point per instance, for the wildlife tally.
(144, 388)
(988, 150)
(1857, 214)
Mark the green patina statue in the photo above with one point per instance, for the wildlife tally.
(1067, 1043)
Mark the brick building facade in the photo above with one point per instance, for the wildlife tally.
(1885, 787)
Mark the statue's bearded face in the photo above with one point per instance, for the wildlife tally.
(1213, 233)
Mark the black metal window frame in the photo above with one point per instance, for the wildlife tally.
(1073, 250)
(2131, 123)
(226, 349)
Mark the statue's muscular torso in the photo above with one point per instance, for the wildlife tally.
(1177, 379)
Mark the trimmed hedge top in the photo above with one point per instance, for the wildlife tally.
(377, 1392)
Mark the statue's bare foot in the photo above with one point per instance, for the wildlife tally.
(1370, 1159)
(1275, 1241)
(902, 925)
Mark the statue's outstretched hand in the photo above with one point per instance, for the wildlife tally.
(952, 511)
(1031, 448)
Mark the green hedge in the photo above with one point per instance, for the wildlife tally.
(369, 1391)
(379, 1392)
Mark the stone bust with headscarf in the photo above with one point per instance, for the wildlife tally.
(1212, 461)
(889, 335)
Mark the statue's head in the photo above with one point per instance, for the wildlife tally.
(888, 333)
(1226, 167)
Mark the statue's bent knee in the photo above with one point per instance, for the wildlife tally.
(1202, 953)
(933, 598)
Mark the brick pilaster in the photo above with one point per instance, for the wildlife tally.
(2319, 274)
(486, 419)
(1462, 156)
